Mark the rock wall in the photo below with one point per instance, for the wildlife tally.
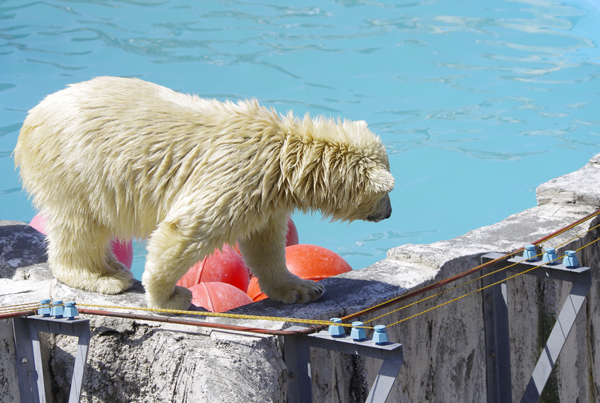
(142, 361)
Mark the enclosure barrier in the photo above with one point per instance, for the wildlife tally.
(496, 320)
(54, 317)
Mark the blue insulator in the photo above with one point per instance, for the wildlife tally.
(57, 309)
(529, 253)
(570, 259)
(380, 335)
(550, 256)
(336, 330)
(70, 310)
(358, 333)
(45, 307)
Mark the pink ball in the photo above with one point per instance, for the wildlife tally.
(225, 266)
(39, 223)
(218, 297)
(291, 237)
(123, 250)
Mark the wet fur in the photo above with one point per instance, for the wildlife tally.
(124, 157)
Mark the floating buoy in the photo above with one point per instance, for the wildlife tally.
(39, 223)
(218, 297)
(312, 262)
(291, 236)
(309, 262)
(254, 291)
(123, 250)
(225, 266)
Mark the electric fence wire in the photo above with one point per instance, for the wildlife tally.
(26, 309)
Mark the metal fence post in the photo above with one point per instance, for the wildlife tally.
(297, 360)
(497, 324)
(29, 356)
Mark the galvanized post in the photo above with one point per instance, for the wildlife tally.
(499, 330)
(297, 359)
(556, 341)
(382, 386)
(29, 357)
(31, 376)
(497, 340)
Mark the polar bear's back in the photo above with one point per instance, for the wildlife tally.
(124, 149)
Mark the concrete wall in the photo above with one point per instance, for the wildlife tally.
(139, 361)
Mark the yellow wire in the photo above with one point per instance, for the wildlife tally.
(16, 308)
(567, 228)
(226, 315)
(476, 279)
(485, 287)
(19, 307)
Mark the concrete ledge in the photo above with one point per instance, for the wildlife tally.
(140, 361)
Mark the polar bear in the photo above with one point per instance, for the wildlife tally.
(121, 157)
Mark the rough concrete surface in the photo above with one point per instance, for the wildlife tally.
(142, 361)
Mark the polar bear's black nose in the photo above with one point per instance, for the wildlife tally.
(383, 210)
(387, 207)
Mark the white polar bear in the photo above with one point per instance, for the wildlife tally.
(121, 157)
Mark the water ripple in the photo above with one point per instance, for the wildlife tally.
(378, 236)
(494, 155)
(10, 190)
(481, 84)
(56, 64)
(4, 130)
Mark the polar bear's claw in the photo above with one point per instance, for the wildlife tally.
(296, 291)
(114, 282)
(179, 299)
(110, 281)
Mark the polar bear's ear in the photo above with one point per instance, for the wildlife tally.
(381, 181)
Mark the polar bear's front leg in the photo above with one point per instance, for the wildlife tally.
(264, 253)
(170, 255)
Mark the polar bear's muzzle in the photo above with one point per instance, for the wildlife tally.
(382, 210)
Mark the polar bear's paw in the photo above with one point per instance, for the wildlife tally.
(114, 281)
(295, 291)
(109, 281)
(179, 299)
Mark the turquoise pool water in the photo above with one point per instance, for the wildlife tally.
(478, 102)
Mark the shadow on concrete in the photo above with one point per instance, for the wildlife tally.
(20, 246)
(342, 296)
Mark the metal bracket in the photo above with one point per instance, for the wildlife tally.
(297, 360)
(497, 341)
(29, 355)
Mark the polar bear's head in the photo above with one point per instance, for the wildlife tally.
(365, 183)
(338, 167)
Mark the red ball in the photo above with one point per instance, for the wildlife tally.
(225, 266)
(39, 223)
(254, 291)
(291, 236)
(218, 297)
(312, 262)
(123, 250)
(309, 262)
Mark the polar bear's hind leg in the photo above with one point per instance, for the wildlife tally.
(79, 256)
